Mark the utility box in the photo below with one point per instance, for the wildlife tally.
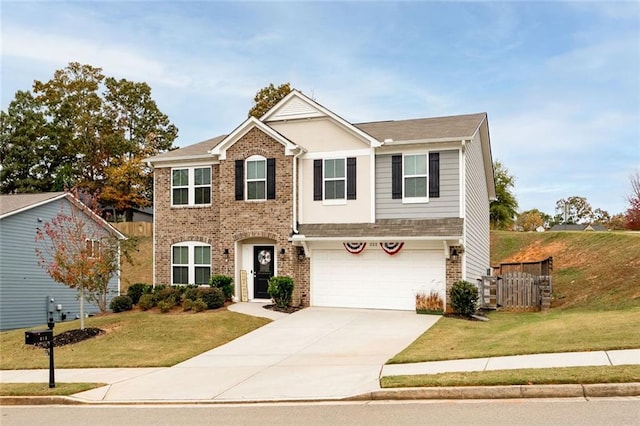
(37, 336)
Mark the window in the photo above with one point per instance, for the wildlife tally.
(190, 263)
(334, 179)
(410, 176)
(191, 186)
(415, 177)
(93, 248)
(256, 178)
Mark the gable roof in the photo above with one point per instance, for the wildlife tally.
(298, 106)
(191, 152)
(220, 150)
(437, 128)
(17, 203)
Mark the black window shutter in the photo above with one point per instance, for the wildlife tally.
(434, 174)
(271, 178)
(317, 180)
(396, 177)
(239, 179)
(351, 178)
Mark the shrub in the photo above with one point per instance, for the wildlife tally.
(464, 298)
(280, 289)
(212, 296)
(147, 301)
(168, 294)
(199, 305)
(187, 305)
(121, 304)
(429, 302)
(223, 282)
(190, 292)
(165, 305)
(138, 289)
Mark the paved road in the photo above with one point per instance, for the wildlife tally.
(619, 412)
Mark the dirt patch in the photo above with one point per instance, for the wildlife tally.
(536, 251)
(72, 336)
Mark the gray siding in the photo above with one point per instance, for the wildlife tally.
(447, 205)
(476, 223)
(25, 286)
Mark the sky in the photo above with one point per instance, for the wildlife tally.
(560, 81)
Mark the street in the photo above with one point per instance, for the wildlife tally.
(604, 411)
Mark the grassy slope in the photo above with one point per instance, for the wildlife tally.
(141, 271)
(592, 270)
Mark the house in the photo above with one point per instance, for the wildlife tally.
(359, 215)
(578, 227)
(27, 292)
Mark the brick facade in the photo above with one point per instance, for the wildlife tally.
(453, 274)
(228, 222)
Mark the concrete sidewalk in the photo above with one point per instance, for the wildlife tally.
(553, 360)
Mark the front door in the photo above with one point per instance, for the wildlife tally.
(262, 270)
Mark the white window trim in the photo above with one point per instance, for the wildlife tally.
(247, 180)
(415, 200)
(334, 201)
(191, 187)
(191, 265)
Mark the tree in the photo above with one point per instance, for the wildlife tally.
(82, 129)
(76, 252)
(503, 210)
(632, 215)
(531, 220)
(25, 153)
(267, 97)
(574, 210)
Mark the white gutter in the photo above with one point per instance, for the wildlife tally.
(301, 238)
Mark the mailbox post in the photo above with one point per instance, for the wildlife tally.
(40, 336)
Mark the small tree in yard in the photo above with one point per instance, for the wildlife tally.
(77, 253)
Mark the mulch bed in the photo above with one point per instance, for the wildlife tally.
(72, 336)
(287, 310)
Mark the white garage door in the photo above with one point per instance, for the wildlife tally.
(373, 279)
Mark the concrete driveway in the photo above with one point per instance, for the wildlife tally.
(316, 353)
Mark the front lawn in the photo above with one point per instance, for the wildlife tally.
(133, 339)
(42, 389)
(518, 333)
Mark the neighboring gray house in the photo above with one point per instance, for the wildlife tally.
(25, 288)
(359, 215)
(578, 227)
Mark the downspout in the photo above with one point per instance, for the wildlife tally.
(294, 225)
(153, 239)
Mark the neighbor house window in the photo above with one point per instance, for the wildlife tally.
(256, 178)
(93, 248)
(415, 179)
(191, 186)
(190, 263)
(334, 179)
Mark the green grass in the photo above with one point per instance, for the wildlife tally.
(133, 339)
(517, 333)
(540, 376)
(42, 389)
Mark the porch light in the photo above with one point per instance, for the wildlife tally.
(455, 254)
(300, 254)
(282, 251)
(225, 253)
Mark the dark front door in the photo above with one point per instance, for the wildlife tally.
(262, 270)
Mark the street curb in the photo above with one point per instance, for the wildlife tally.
(399, 394)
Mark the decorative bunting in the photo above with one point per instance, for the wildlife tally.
(391, 248)
(354, 248)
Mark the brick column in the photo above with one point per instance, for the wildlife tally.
(454, 274)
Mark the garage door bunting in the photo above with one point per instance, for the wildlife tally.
(392, 248)
(354, 248)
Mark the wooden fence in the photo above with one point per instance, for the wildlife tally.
(516, 290)
(138, 229)
(538, 267)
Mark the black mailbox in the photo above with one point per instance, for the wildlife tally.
(37, 336)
